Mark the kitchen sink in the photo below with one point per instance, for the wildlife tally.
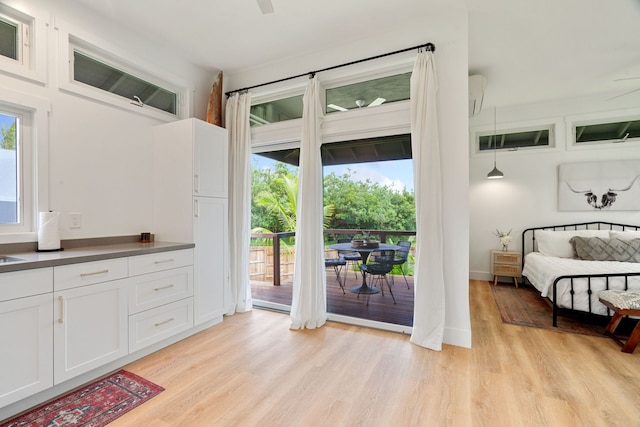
(6, 259)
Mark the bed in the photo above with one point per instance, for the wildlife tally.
(569, 264)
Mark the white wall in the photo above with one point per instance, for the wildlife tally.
(99, 155)
(447, 29)
(527, 196)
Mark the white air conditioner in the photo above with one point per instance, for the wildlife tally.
(476, 93)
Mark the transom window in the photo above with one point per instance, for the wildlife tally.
(515, 140)
(276, 111)
(97, 73)
(14, 37)
(370, 93)
(618, 131)
(364, 94)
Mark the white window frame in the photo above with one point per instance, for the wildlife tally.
(33, 152)
(384, 120)
(32, 28)
(599, 118)
(114, 57)
(554, 127)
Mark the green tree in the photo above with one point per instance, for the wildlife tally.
(367, 205)
(274, 200)
(8, 137)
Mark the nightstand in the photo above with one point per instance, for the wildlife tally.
(506, 263)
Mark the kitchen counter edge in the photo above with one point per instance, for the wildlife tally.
(33, 260)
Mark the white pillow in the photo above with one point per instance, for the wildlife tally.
(624, 235)
(557, 243)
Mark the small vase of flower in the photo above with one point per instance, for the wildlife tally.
(505, 238)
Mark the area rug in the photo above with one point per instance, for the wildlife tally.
(93, 405)
(524, 306)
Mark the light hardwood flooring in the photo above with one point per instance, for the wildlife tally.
(251, 370)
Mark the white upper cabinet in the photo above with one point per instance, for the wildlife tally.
(210, 160)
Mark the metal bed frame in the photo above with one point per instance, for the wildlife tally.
(530, 246)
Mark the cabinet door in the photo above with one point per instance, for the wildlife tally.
(26, 358)
(211, 264)
(211, 147)
(90, 328)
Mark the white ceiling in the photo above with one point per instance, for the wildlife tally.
(530, 51)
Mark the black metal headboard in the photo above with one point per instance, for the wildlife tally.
(530, 233)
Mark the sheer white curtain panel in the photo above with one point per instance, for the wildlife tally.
(429, 311)
(308, 304)
(237, 122)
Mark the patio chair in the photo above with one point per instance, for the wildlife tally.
(352, 258)
(401, 257)
(380, 264)
(337, 264)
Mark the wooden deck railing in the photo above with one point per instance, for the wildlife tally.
(330, 235)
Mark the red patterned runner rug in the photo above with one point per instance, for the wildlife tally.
(93, 405)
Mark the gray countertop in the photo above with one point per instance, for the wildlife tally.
(33, 259)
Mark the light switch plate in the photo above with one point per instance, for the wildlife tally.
(75, 221)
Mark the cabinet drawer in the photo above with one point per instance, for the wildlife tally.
(155, 289)
(151, 326)
(87, 273)
(18, 284)
(151, 263)
(506, 258)
(506, 270)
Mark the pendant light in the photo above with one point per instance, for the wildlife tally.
(495, 172)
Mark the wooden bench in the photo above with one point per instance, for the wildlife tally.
(622, 303)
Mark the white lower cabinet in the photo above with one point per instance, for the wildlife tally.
(26, 333)
(26, 337)
(90, 328)
(59, 322)
(160, 303)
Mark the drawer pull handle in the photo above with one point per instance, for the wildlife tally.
(165, 322)
(164, 261)
(164, 287)
(94, 273)
(61, 318)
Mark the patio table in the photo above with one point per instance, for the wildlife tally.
(364, 253)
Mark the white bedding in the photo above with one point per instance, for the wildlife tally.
(542, 270)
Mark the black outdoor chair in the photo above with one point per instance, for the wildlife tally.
(352, 258)
(380, 264)
(337, 264)
(401, 257)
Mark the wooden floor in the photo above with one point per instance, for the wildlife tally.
(379, 308)
(251, 370)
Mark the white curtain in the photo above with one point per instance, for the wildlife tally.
(429, 311)
(237, 123)
(308, 305)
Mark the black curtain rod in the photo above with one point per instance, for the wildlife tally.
(428, 46)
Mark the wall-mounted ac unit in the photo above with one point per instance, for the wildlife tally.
(476, 93)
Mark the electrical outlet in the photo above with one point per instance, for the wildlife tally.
(75, 221)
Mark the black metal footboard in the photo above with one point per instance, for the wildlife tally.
(529, 244)
(589, 291)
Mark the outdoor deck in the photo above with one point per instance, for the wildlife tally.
(381, 308)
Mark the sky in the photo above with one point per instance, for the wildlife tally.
(397, 174)
(6, 121)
